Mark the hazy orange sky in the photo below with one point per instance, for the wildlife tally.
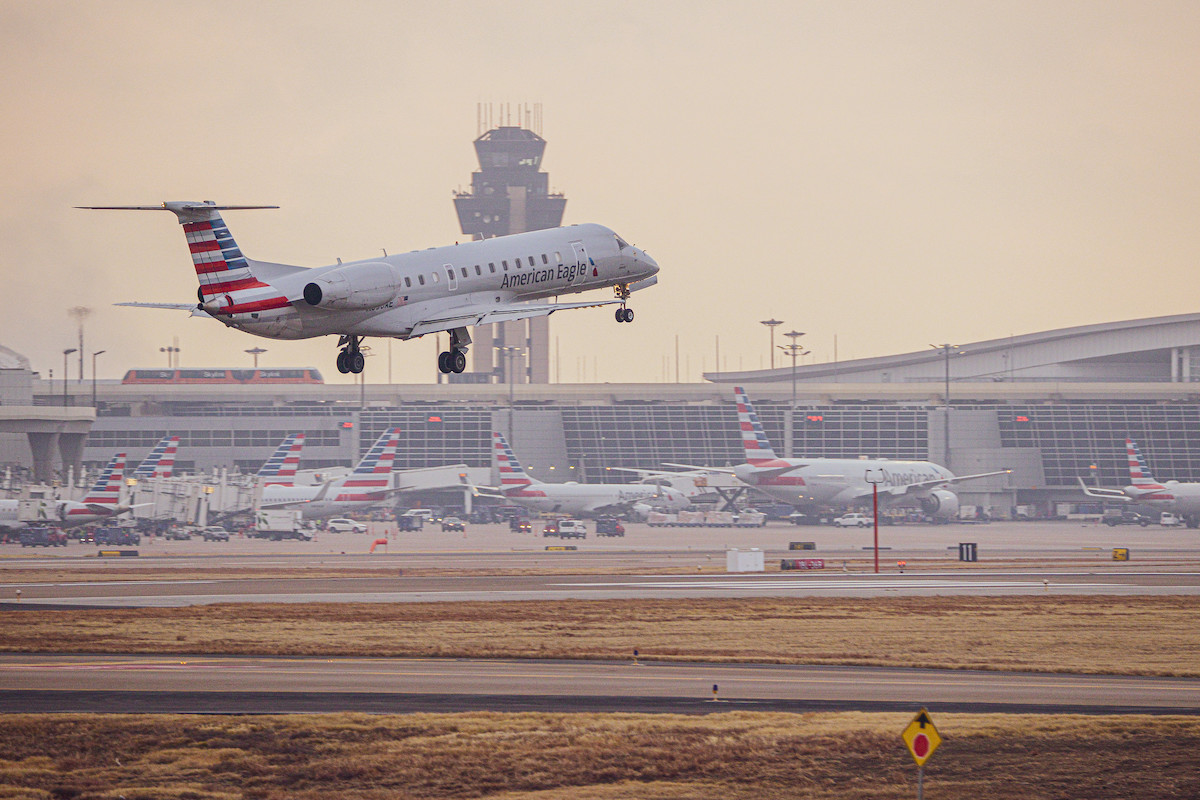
(893, 174)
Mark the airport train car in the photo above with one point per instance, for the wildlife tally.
(222, 376)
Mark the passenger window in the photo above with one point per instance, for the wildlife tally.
(407, 282)
(545, 259)
(464, 271)
(435, 277)
(557, 257)
(421, 279)
(478, 271)
(531, 262)
(491, 266)
(505, 263)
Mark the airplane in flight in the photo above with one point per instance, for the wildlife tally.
(576, 499)
(404, 296)
(370, 482)
(160, 463)
(840, 481)
(1182, 499)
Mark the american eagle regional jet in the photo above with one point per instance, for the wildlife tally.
(1174, 496)
(403, 296)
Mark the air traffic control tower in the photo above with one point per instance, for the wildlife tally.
(509, 194)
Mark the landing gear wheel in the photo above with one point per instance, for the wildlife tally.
(620, 315)
(628, 315)
(444, 365)
(355, 361)
(458, 361)
(342, 366)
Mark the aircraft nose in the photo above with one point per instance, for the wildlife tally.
(646, 264)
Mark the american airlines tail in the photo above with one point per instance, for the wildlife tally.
(754, 440)
(1139, 473)
(512, 475)
(161, 461)
(106, 491)
(280, 469)
(373, 474)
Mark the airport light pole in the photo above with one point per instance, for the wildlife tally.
(66, 353)
(172, 358)
(875, 479)
(256, 352)
(772, 324)
(794, 349)
(946, 349)
(98, 352)
(509, 351)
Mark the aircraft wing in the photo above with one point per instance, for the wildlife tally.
(480, 314)
(725, 470)
(912, 488)
(1103, 494)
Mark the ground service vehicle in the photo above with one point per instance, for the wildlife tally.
(345, 526)
(277, 524)
(854, 519)
(609, 526)
(178, 534)
(406, 523)
(1115, 518)
(565, 529)
(118, 536)
(453, 524)
(215, 533)
(43, 537)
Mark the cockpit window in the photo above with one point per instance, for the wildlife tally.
(621, 243)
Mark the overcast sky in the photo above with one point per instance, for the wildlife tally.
(892, 174)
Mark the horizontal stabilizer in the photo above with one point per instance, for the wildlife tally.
(171, 306)
(174, 206)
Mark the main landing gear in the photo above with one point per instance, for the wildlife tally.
(623, 314)
(455, 359)
(350, 359)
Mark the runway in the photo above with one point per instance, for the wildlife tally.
(402, 589)
(38, 683)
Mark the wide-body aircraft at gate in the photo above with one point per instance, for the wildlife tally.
(1179, 498)
(408, 295)
(841, 481)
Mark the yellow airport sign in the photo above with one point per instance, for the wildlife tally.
(921, 737)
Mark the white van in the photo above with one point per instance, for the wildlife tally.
(424, 513)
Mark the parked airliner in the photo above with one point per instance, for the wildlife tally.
(403, 296)
(369, 483)
(576, 499)
(1182, 499)
(840, 481)
(161, 461)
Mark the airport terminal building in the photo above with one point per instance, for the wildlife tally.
(1052, 407)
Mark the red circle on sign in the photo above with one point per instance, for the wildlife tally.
(921, 745)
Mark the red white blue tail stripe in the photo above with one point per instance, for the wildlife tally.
(373, 474)
(161, 461)
(106, 491)
(513, 479)
(1139, 473)
(280, 469)
(754, 440)
(224, 273)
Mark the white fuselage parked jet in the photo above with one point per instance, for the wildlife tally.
(576, 499)
(1179, 498)
(408, 295)
(842, 481)
(369, 483)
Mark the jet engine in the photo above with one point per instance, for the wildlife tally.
(940, 503)
(353, 287)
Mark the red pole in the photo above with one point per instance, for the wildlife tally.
(875, 503)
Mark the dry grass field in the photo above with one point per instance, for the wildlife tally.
(735, 756)
(1088, 634)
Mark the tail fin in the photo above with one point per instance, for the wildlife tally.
(281, 467)
(373, 474)
(220, 266)
(161, 461)
(754, 440)
(512, 475)
(107, 488)
(1139, 473)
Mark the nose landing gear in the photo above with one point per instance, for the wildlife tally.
(350, 359)
(623, 314)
